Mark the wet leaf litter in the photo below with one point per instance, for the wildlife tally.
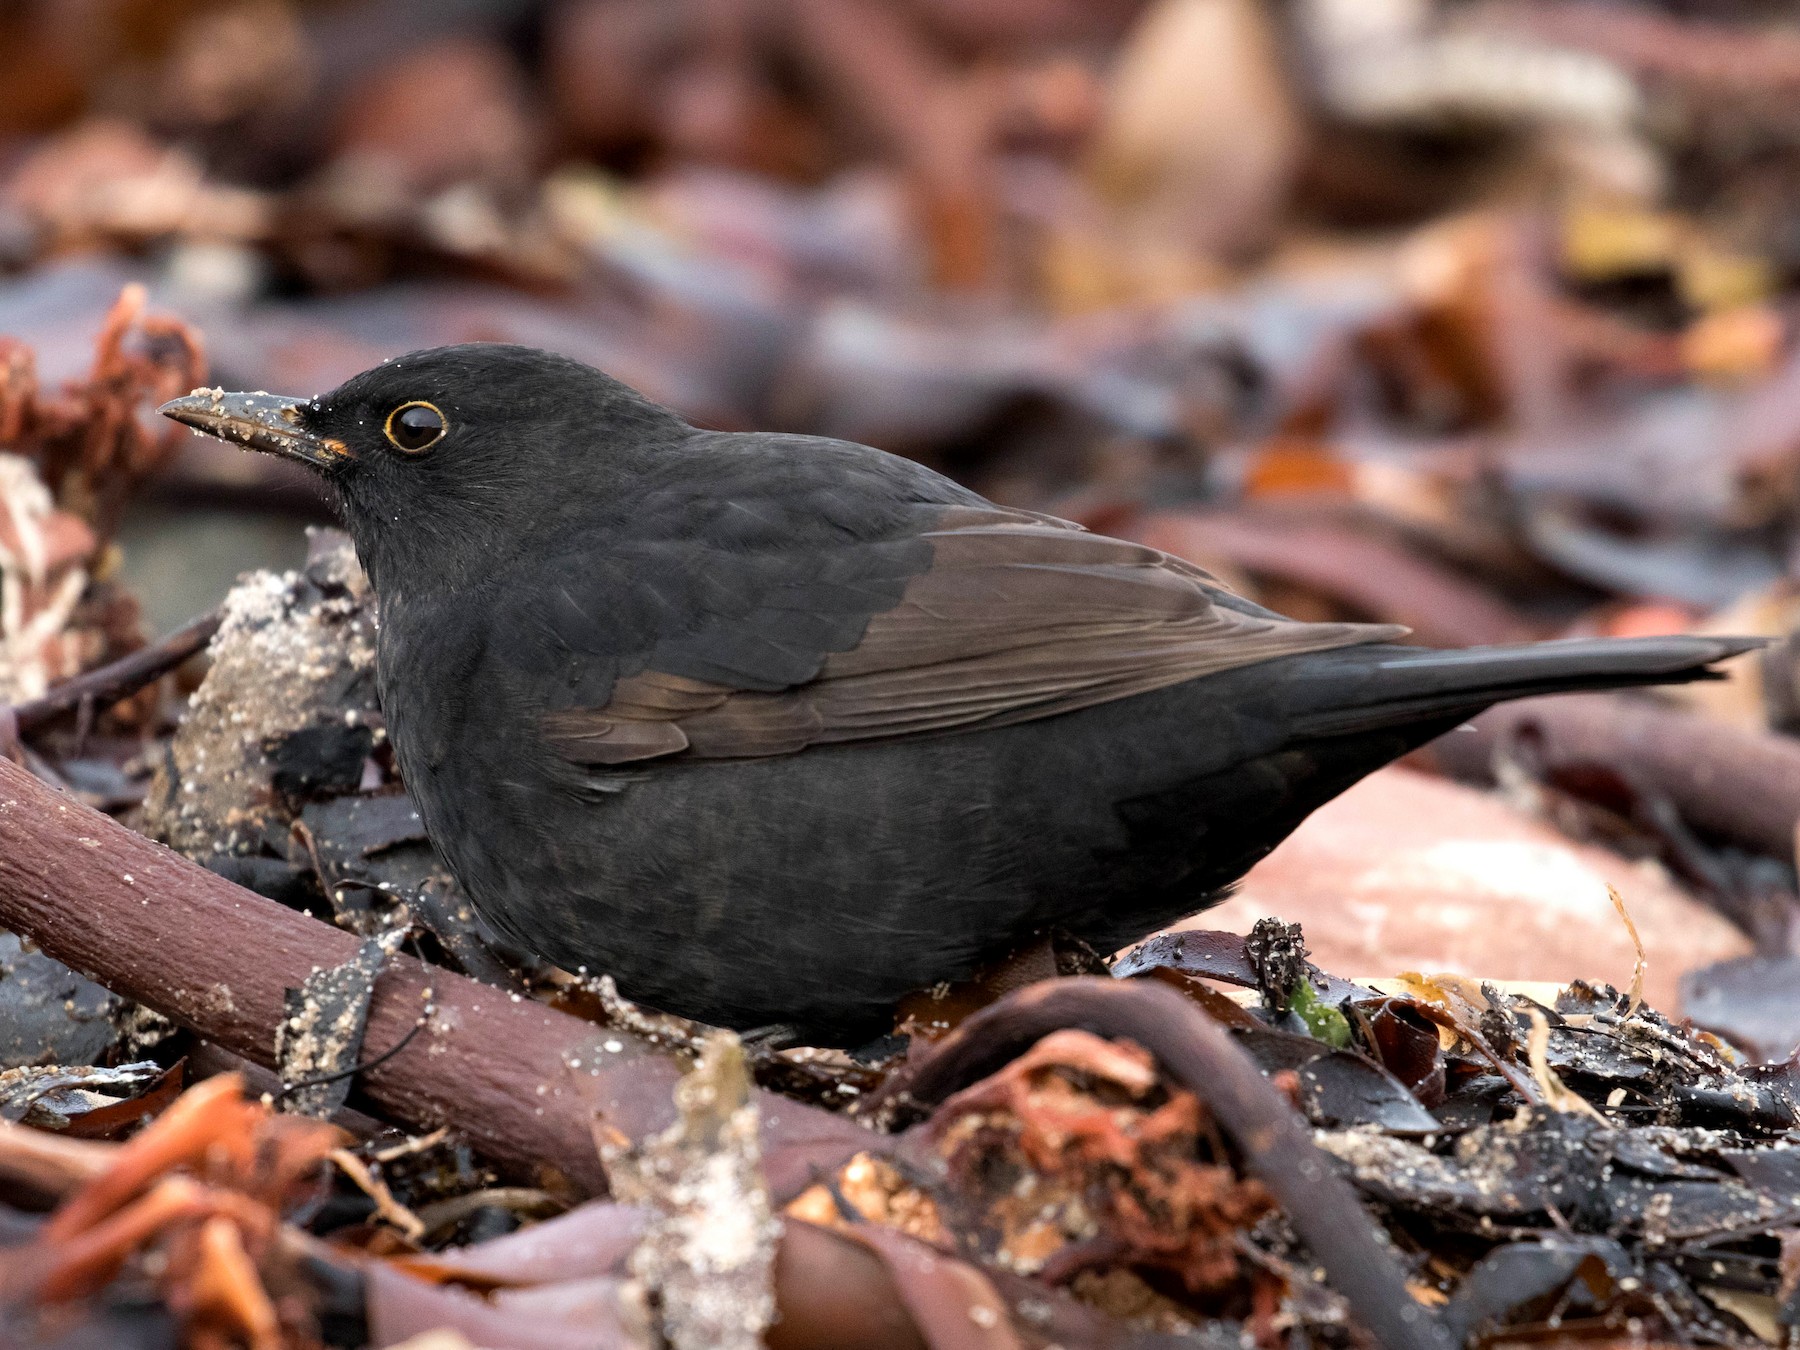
(1473, 318)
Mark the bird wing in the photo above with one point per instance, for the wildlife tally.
(769, 624)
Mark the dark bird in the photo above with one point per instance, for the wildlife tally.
(776, 729)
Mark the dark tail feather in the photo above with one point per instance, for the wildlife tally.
(1389, 686)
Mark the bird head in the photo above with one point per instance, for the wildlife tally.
(448, 460)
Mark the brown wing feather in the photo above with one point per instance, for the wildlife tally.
(1018, 617)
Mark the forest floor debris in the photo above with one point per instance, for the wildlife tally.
(1061, 1156)
(1477, 318)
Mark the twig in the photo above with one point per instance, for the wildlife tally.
(417, 1144)
(1444, 1017)
(442, 1214)
(98, 689)
(376, 1189)
(1558, 1096)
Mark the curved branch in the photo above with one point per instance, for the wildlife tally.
(523, 1082)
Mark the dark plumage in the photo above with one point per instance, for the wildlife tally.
(776, 729)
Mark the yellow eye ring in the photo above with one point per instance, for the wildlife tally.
(416, 426)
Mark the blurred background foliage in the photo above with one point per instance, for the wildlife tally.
(1507, 285)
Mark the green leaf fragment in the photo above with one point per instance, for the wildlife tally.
(1323, 1022)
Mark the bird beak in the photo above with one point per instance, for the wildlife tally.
(261, 421)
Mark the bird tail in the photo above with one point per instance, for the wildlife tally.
(1385, 686)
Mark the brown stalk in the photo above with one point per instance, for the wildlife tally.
(161, 930)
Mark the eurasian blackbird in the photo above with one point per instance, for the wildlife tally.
(775, 729)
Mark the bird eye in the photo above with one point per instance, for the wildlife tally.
(414, 426)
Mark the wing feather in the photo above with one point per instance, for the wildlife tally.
(1015, 617)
